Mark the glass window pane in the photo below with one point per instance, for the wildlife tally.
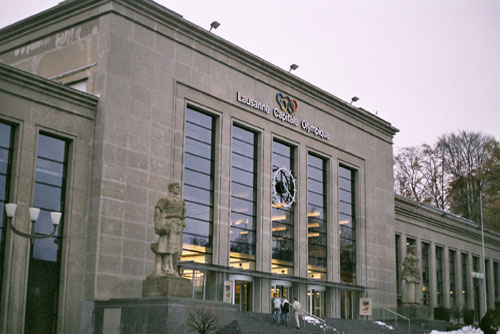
(242, 176)
(199, 118)
(345, 173)
(197, 195)
(244, 135)
(50, 172)
(282, 149)
(243, 148)
(197, 227)
(199, 133)
(46, 249)
(5, 135)
(198, 179)
(242, 221)
(196, 163)
(4, 160)
(241, 235)
(315, 199)
(201, 212)
(345, 208)
(243, 192)
(242, 206)
(314, 161)
(198, 148)
(243, 163)
(47, 197)
(345, 184)
(51, 148)
(316, 186)
(3, 184)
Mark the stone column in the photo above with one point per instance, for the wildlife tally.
(459, 298)
(332, 230)
(446, 277)
(264, 233)
(300, 238)
(470, 283)
(491, 280)
(432, 276)
(482, 295)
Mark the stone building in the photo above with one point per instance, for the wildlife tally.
(288, 188)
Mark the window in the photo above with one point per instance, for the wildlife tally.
(398, 264)
(425, 273)
(198, 186)
(316, 217)
(282, 215)
(347, 222)
(464, 277)
(496, 279)
(453, 290)
(439, 275)
(6, 143)
(45, 257)
(243, 198)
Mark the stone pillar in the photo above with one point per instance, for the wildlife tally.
(482, 295)
(432, 276)
(459, 298)
(470, 284)
(331, 303)
(300, 238)
(264, 233)
(491, 280)
(332, 230)
(446, 277)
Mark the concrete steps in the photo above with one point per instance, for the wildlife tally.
(255, 323)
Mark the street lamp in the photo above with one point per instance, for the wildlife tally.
(482, 246)
(10, 209)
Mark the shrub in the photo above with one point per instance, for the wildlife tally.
(490, 322)
(203, 321)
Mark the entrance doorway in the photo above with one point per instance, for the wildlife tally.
(316, 300)
(243, 292)
(282, 289)
(347, 304)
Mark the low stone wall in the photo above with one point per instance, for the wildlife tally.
(154, 315)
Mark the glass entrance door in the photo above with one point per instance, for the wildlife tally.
(316, 301)
(346, 304)
(243, 295)
(282, 289)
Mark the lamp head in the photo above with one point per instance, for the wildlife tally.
(55, 217)
(34, 213)
(10, 209)
(293, 67)
(354, 99)
(214, 25)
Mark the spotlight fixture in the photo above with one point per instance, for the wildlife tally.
(214, 25)
(293, 67)
(354, 99)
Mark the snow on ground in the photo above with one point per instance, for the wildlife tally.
(380, 323)
(464, 330)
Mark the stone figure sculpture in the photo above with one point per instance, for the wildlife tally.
(169, 223)
(411, 278)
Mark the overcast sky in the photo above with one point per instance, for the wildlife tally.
(428, 67)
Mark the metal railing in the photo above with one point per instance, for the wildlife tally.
(397, 315)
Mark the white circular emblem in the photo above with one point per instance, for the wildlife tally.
(283, 187)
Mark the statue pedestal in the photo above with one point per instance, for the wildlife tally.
(414, 311)
(171, 286)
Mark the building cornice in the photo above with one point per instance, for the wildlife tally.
(442, 220)
(161, 15)
(47, 92)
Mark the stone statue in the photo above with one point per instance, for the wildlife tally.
(411, 278)
(169, 216)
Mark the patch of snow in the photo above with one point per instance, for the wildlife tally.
(380, 323)
(464, 330)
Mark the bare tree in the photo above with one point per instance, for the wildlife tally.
(408, 172)
(436, 179)
(203, 321)
(464, 155)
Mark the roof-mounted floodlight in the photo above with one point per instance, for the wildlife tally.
(214, 25)
(354, 99)
(293, 67)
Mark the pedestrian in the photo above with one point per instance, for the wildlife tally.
(285, 309)
(276, 303)
(296, 309)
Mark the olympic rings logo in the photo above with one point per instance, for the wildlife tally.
(286, 103)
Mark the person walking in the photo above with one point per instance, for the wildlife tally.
(285, 309)
(296, 308)
(276, 303)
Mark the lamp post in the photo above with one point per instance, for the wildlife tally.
(482, 247)
(10, 209)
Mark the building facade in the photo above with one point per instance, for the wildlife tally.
(288, 189)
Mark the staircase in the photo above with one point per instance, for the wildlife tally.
(256, 323)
